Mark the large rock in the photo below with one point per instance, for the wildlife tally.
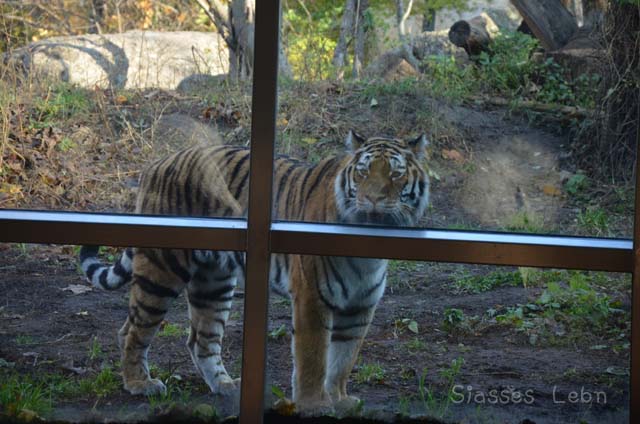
(135, 59)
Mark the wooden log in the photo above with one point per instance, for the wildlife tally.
(549, 20)
(471, 35)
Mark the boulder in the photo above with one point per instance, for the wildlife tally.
(135, 59)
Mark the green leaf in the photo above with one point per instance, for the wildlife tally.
(277, 391)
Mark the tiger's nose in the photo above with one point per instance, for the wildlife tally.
(373, 199)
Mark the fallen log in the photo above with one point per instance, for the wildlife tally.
(566, 111)
(471, 35)
(549, 20)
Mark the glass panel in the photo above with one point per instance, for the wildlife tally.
(520, 139)
(78, 132)
(59, 335)
(456, 342)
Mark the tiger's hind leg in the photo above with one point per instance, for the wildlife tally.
(210, 295)
(348, 331)
(155, 284)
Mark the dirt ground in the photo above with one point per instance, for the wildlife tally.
(504, 161)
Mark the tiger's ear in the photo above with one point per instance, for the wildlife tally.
(419, 145)
(354, 141)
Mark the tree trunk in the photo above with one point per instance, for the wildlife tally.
(401, 17)
(549, 20)
(346, 33)
(97, 16)
(471, 35)
(429, 20)
(235, 22)
(607, 147)
(242, 20)
(594, 11)
(360, 30)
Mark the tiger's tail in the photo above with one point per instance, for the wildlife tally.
(106, 277)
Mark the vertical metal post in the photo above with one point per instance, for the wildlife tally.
(264, 107)
(634, 383)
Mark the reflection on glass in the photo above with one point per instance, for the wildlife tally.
(460, 342)
(65, 347)
(521, 140)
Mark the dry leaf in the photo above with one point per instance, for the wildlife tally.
(551, 190)
(77, 288)
(120, 99)
(453, 155)
(284, 407)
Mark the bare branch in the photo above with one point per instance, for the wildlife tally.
(220, 18)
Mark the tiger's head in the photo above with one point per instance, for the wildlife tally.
(383, 182)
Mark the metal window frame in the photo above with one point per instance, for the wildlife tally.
(260, 238)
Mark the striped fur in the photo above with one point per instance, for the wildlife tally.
(378, 181)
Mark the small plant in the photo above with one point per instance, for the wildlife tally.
(24, 340)
(400, 325)
(448, 79)
(576, 184)
(370, 374)
(415, 345)
(103, 384)
(434, 404)
(172, 330)
(278, 333)
(95, 350)
(403, 406)
(175, 394)
(595, 221)
(66, 144)
(454, 319)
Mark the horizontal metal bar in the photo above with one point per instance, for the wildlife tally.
(453, 246)
(122, 230)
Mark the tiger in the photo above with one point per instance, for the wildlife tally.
(376, 180)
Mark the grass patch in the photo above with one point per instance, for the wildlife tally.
(95, 350)
(370, 374)
(594, 221)
(175, 395)
(415, 345)
(526, 222)
(399, 273)
(24, 340)
(19, 393)
(172, 330)
(61, 101)
(435, 404)
(567, 311)
(104, 383)
(483, 283)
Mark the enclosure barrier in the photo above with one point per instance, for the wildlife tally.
(259, 237)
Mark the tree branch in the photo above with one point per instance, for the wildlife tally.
(220, 18)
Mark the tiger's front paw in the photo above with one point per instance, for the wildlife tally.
(348, 406)
(227, 386)
(151, 386)
(314, 407)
